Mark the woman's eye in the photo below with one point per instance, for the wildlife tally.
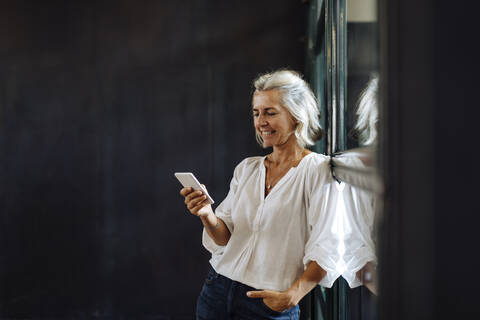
(255, 115)
(271, 114)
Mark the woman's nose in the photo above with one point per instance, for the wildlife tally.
(261, 120)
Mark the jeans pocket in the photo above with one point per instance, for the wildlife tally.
(270, 310)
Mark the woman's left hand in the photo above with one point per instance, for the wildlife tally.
(275, 300)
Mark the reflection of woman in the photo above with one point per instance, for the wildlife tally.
(367, 113)
(270, 238)
(360, 257)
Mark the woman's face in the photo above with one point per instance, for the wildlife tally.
(273, 122)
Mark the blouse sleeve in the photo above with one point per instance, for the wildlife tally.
(323, 232)
(358, 240)
(224, 212)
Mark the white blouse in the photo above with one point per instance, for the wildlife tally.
(358, 225)
(274, 238)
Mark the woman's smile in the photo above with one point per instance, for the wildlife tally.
(272, 121)
(267, 133)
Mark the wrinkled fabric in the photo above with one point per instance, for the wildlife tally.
(274, 238)
(358, 225)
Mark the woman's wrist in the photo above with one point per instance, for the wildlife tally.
(210, 221)
(306, 282)
(294, 295)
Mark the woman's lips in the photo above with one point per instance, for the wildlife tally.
(267, 133)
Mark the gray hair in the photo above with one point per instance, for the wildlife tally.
(297, 97)
(367, 113)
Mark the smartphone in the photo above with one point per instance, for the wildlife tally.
(187, 179)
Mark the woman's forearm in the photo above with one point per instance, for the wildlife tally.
(216, 229)
(368, 276)
(306, 282)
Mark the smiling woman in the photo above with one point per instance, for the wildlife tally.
(286, 93)
(271, 238)
(273, 123)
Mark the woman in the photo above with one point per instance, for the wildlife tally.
(271, 239)
(360, 204)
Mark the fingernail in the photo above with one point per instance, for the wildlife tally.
(249, 294)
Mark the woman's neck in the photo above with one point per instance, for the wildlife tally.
(286, 152)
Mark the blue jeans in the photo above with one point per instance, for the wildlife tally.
(224, 299)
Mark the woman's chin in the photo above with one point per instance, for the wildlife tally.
(267, 144)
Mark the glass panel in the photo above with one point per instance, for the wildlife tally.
(342, 67)
(356, 130)
(362, 72)
(360, 188)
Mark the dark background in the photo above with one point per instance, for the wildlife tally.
(100, 103)
(430, 83)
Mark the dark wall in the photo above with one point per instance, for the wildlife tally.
(100, 103)
(429, 245)
(457, 202)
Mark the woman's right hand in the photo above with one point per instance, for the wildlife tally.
(197, 202)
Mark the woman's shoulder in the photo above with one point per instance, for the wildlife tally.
(251, 160)
(248, 164)
(314, 159)
(317, 166)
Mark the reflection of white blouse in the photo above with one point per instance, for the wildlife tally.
(358, 224)
(273, 238)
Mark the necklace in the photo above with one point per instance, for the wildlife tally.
(273, 180)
